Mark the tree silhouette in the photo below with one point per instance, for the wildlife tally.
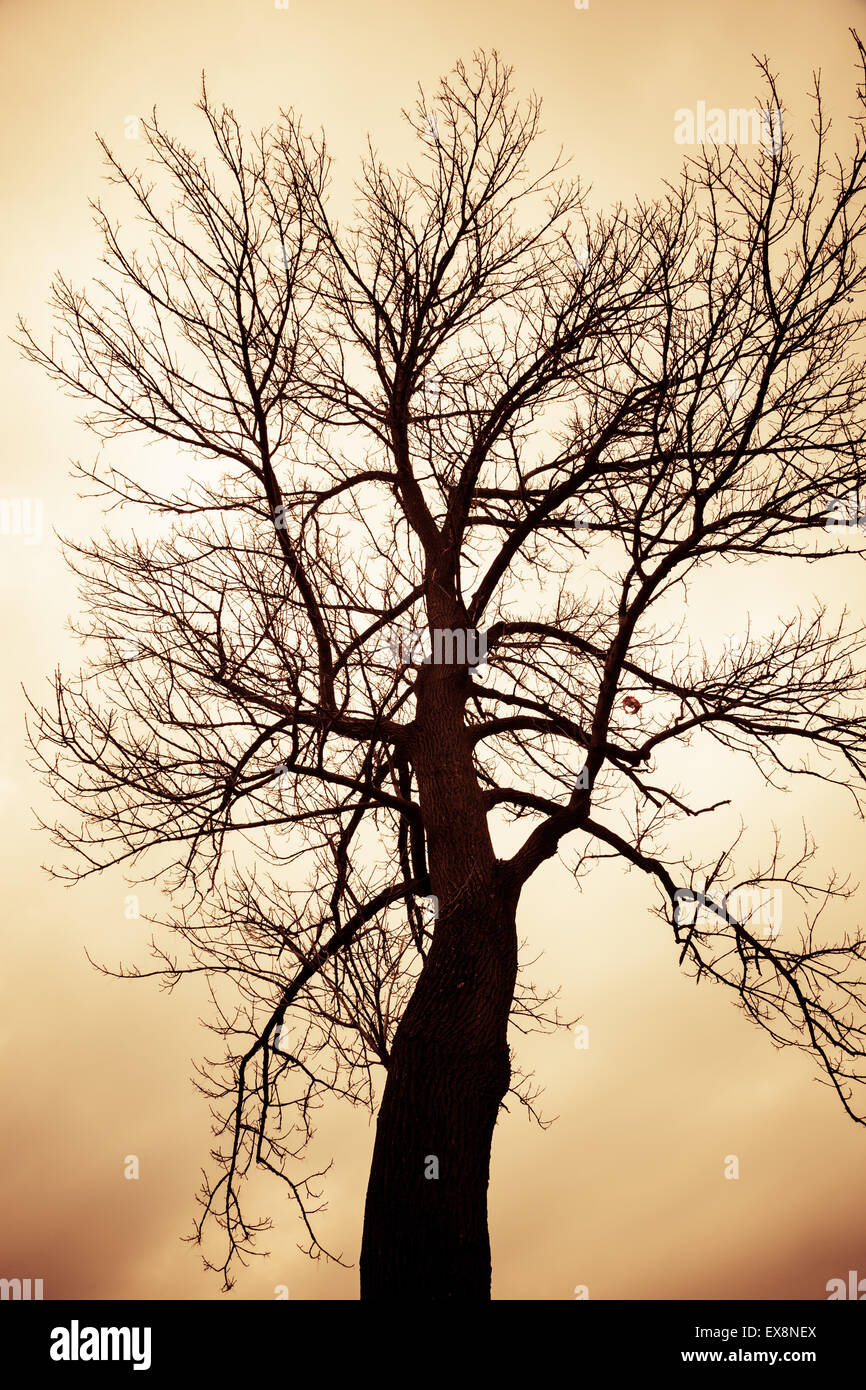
(447, 470)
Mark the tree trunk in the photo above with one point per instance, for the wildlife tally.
(425, 1221)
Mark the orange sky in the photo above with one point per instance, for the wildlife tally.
(625, 1193)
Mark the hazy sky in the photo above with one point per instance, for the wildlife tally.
(626, 1192)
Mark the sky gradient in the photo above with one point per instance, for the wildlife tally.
(626, 1193)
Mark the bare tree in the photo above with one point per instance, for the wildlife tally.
(449, 470)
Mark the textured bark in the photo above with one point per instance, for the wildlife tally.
(425, 1236)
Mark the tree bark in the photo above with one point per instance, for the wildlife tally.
(425, 1222)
